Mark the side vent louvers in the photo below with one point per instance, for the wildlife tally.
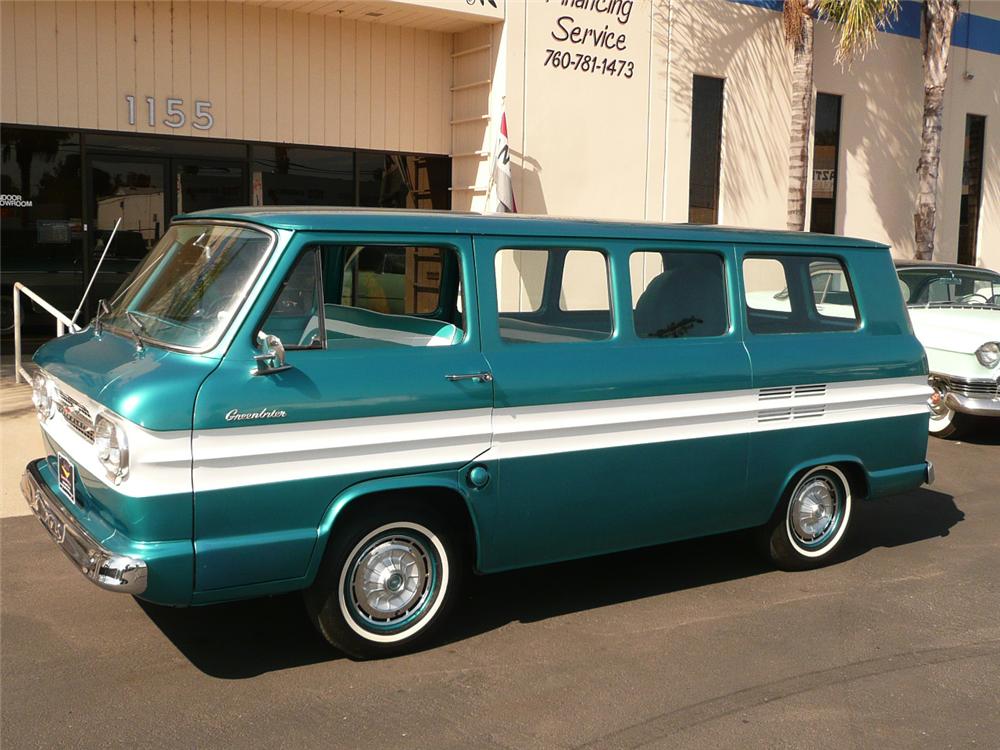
(801, 391)
(791, 412)
(772, 394)
(774, 415)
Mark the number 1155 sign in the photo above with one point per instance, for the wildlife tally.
(175, 115)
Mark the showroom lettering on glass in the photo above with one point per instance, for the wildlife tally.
(588, 47)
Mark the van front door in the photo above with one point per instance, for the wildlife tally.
(372, 326)
(611, 434)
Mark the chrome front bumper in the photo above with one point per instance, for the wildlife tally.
(979, 396)
(102, 566)
(982, 407)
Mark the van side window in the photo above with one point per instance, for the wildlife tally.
(553, 295)
(798, 294)
(678, 294)
(372, 296)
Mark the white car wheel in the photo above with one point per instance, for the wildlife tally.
(944, 421)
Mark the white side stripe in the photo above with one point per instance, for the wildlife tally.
(288, 451)
(535, 430)
(240, 456)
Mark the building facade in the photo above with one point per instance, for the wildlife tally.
(664, 110)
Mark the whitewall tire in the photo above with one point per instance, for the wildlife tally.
(811, 520)
(387, 580)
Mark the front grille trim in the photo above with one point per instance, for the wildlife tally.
(974, 387)
(76, 415)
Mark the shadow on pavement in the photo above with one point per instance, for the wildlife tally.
(980, 431)
(245, 639)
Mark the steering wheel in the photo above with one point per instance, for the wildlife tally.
(968, 298)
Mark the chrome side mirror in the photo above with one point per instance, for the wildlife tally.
(272, 359)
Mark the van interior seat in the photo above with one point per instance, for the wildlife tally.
(686, 299)
(343, 321)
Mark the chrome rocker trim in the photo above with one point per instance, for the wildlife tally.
(102, 566)
(929, 472)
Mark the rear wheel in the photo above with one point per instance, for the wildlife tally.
(387, 580)
(810, 522)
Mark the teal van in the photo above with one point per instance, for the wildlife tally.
(368, 406)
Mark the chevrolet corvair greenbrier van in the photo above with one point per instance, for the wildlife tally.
(250, 415)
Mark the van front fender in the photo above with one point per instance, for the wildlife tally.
(445, 481)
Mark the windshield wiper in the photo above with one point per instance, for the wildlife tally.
(102, 309)
(137, 328)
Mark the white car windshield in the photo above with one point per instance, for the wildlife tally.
(933, 286)
(188, 289)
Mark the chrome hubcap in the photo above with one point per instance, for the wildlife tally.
(390, 579)
(813, 509)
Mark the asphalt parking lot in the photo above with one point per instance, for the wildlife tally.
(694, 644)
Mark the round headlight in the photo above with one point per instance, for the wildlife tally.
(112, 447)
(988, 354)
(41, 396)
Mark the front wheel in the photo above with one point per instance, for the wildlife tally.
(387, 580)
(811, 520)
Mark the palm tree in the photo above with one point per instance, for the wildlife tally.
(939, 20)
(857, 21)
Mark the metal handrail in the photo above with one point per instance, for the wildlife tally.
(62, 323)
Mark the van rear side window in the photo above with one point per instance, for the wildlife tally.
(798, 294)
(547, 296)
(678, 294)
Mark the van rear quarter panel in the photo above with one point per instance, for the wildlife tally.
(891, 450)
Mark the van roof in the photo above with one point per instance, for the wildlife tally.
(318, 218)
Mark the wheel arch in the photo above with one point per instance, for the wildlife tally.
(442, 493)
(852, 466)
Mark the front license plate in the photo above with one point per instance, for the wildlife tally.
(67, 477)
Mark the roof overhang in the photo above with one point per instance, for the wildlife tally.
(433, 15)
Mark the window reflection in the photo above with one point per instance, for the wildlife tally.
(51, 241)
(41, 224)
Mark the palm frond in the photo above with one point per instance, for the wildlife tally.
(793, 14)
(858, 22)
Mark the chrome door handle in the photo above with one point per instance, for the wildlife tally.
(477, 377)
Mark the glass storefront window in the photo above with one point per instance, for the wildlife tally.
(41, 216)
(400, 181)
(166, 145)
(297, 176)
(52, 241)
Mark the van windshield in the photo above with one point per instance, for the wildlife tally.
(190, 286)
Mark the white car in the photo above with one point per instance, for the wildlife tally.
(955, 311)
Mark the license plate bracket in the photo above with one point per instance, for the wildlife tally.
(66, 470)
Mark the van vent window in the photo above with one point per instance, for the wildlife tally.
(798, 294)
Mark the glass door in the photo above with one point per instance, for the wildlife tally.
(133, 190)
